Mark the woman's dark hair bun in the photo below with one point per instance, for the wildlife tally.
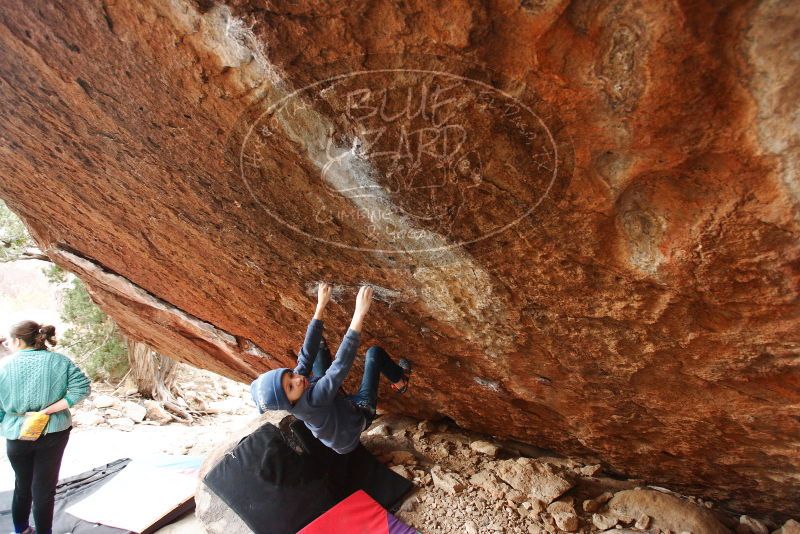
(35, 335)
(46, 334)
(48, 330)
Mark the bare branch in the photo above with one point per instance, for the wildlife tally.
(28, 254)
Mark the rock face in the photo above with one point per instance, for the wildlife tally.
(597, 238)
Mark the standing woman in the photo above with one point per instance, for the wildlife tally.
(34, 379)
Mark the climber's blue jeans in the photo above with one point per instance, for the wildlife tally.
(377, 362)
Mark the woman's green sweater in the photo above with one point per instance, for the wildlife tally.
(30, 381)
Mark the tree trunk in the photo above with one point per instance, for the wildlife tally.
(155, 377)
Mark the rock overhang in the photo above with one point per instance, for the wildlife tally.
(644, 312)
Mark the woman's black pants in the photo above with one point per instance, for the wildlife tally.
(36, 465)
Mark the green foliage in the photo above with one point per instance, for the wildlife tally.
(55, 274)
(14, 237)
(93, 337)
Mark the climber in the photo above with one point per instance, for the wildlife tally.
(335, 419)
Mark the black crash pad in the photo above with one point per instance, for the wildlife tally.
(74, 489)
(278, 482)
(68, 492)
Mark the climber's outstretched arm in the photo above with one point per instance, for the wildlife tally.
(314, 332)
(325, 390)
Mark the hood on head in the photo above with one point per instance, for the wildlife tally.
(267, 391)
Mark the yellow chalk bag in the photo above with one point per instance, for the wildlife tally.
(32, 425)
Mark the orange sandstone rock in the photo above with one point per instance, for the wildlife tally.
(581, 218)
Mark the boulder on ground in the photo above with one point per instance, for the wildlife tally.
(536, 506)
(750, 525)
(402, 458)
(533, 478)
(666, 511)
(121, 423)
(88, 419)
(561, 506)
(566, 521)
(643, 522)
(604, 521)
(134, 411)
(104, 401)
(484, 447)
(590, 470)
(380, 430)
(402, 471)
(516, 497)
(448, 482)
(426, 426)
(229, 405)
(790, 527)
(487, 481)
(590, 505)
(604, 497)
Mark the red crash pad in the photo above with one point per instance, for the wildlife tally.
(357, 514)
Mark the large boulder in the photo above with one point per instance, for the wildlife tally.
(666, 511)
(790, 527)
(581, 218)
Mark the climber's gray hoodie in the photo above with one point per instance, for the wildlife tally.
(333, 419)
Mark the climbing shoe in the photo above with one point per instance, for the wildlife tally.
(401, 386)
(366, 408)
